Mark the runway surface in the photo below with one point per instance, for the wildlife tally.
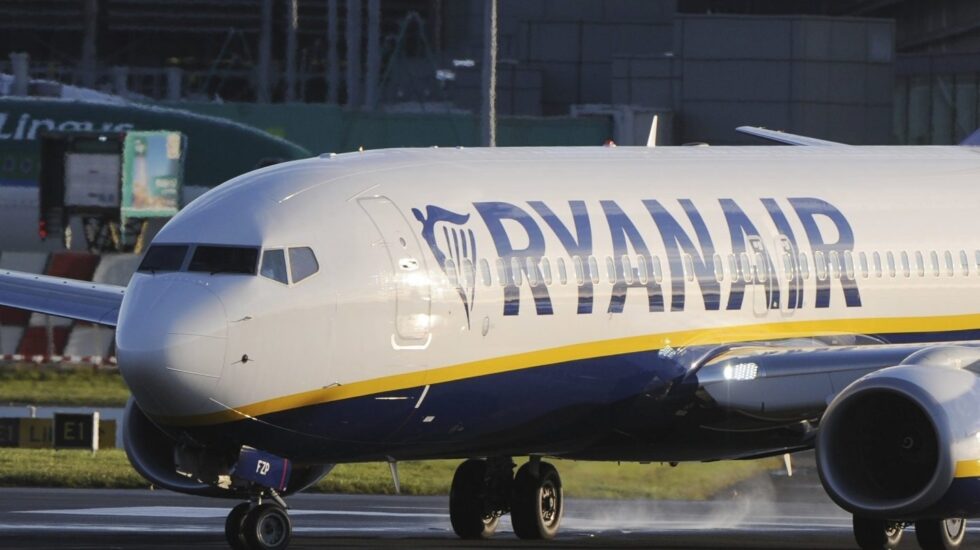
(766, 513)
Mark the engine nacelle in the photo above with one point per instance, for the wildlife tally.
(160, 458)
(903, 443)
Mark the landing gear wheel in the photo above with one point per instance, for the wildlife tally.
(877, 534)
(467, 502)
(233, 526)
(267, 527)
(537, 503)
(940, 534)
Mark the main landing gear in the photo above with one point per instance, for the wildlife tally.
(937, 534)
(484, 490)
(258, 526)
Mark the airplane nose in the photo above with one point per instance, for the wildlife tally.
(171, 341)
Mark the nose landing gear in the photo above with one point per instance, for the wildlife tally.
(258, 526)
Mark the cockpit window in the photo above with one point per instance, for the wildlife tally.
(163, 257)
(302, 263)
(274, 266)
(224, 259)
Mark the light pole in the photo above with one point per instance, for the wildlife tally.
(488, 121)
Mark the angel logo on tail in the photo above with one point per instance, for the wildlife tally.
(452, 241)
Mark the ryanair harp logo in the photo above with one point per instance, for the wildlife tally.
(454, 248)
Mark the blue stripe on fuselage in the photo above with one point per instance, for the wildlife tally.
(556, 409)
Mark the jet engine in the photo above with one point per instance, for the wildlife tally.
(169, 463)
(903, 443)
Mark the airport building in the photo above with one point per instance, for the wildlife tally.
(337, 75)
(861, 71)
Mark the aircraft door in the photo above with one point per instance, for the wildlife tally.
(410, 275)
(787, 264)
(764, 287)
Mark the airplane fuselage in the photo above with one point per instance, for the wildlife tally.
(540, 301)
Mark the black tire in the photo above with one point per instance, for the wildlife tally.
(234, 533)
(940, 534)
(537, 503)
(877, 534)
(267, 527)
(467, 507)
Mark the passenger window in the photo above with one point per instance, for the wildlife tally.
(611, 269)
(627, 270)
(906, 266)
(302, 263)
(863, 259)
(920, 264)
(849, 264)
(469, 274)
(891, 264)
(503, 276)
(733, 267)
(485, 271)
(948, 256)
(821, 265)
(642, 270)
(745, 267)
(689, 267)
(166, 257)
(532, 272)
(977, 262)
(450, 268)
(761, 267)
(224, 259)
(877, 262)
(787, 265)
(964, 263)
(804, 267)
(546, 271)
(719, 265)
(562, 272)
(579, 270)
(658, 272)
(594, 270)
(515, 272)
(274, 266)
(934, 260)
(835, 271)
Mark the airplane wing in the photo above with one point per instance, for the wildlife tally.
(80, 300)
(787, 138)
(782, 382)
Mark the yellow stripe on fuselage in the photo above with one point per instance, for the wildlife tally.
(967, 468)
(588, 350)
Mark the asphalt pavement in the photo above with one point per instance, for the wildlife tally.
(768, 512)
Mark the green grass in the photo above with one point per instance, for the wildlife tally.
(33, 385)
(109, 468)
(76, 469)
(609, 480)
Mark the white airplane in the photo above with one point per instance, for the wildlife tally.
(628, 304)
